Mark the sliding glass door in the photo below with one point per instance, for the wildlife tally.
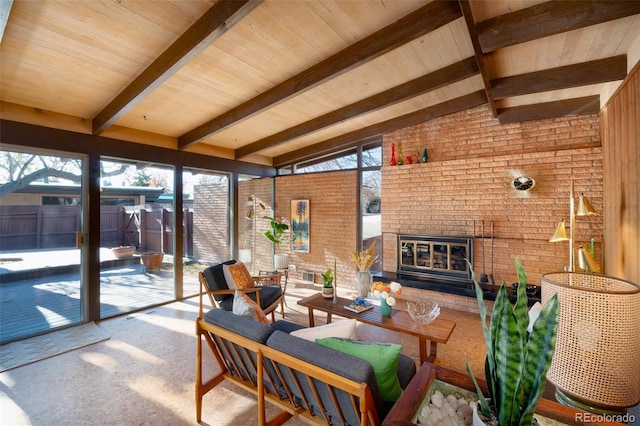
(136, 236)
(41, 228)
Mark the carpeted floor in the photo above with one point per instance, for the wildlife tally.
(144, 373)
(23, 352)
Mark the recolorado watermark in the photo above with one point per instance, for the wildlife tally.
(600, 418)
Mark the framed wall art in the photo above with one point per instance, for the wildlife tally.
(300, 214)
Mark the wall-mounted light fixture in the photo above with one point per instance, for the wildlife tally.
(523, 183)
(585, 261)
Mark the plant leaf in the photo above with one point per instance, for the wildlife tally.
(490, 361)
(521, 308)
(509, 356)
(484, 407)
(539, 352)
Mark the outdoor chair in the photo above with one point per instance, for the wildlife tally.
(267, 292)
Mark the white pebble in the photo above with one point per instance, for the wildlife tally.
(452, 399)
(436, 398)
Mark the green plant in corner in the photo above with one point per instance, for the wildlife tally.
(516, 364)
(327, 278)
(276, 233)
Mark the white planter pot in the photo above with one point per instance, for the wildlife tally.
(280, 261)
(244, 256)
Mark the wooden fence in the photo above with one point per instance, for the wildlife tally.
(33, 227)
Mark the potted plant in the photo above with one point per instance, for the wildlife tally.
(517, 361)
(275, 235)
(327, 284)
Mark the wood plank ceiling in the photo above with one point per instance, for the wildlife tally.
(278, 82)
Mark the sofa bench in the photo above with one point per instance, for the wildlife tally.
(301, 377)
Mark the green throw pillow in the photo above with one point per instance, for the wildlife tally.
(382, 357)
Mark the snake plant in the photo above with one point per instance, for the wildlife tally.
(516, 364)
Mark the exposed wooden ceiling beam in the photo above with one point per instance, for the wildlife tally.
(586, 105)
(592, 72)
(442, 77)
(426, 19)
(484, 72)
(471, 100)
(550, 18)
(215, 22)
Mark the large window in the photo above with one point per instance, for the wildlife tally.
(41, 267)
(370, 201)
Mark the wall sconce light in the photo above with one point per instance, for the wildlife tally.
(585, 261)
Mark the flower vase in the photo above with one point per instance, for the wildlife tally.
(364, 280)
(385, 309)
(393, 155)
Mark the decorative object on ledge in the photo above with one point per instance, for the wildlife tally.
(393, 155)
(596, 366)
(425, 156)
(586, 262)
(424, 311)
(152, 261)
(386, 293)
(400, 160)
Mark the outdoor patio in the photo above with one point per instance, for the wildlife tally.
(46, 294)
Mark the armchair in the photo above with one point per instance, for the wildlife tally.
(267, 293)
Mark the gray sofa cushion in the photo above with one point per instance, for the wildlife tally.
(243, 326)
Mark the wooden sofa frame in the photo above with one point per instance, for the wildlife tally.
(260, 370)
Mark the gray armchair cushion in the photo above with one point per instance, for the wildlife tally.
(214, 277)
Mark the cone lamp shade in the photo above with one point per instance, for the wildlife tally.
(585, 208)
(596, 364)
(586, 262)
(560, 234)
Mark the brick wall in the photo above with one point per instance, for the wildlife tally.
(210, 224)
(333, 216)
(472, 159)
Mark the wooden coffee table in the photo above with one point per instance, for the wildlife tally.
(428, 335)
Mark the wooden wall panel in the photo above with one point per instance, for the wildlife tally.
(620, 128)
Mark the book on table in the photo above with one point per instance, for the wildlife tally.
(359, 307)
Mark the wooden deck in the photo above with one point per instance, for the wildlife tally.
(35, 305)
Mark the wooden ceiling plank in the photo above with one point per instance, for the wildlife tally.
(210, 26)
(592, 72)
(440, 78)
(346, 140)
(585, 105)
(484, 71)
(549, 18)
(5, 9)
(428, 18)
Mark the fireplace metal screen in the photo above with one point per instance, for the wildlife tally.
(435, 257)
